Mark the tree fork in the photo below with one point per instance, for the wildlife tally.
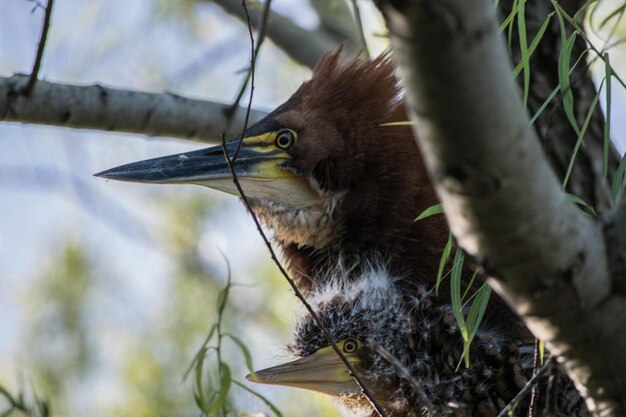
(502, 199)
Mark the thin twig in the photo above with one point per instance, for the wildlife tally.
(359, 24)
(353, 373)
(32, 79)
(524, 391)
(297, 292)
(533, 392)
(250, 73)
(406, 375)
(253, 55)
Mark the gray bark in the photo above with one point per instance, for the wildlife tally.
(304, 46)
(109, 109)
(501, 197)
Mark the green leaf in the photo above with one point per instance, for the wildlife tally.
(617, 180)
(199, 392)
(469, 286)
(617, 12)
(533, 45)
(575, 199)
(401, 123)
(564, 82)
(474, 318)
(222, 298)
(225, 384)
(542, 350)
(201, 352)
(244, 350)
(455, 286)
(267, 402)
(607, 122)
(430, 211)
(523, 44)
(445, 255)
(581, 135)
(509, 19)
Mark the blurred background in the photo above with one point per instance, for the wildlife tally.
(107, 290)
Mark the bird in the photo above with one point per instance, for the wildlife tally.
(334, 172)
(371, 319)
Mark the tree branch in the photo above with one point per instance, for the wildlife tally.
(32, 79)
(109, 109)
(501, 197)
(304, 46)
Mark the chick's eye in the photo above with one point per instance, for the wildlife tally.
(285, 139)
(350, 346)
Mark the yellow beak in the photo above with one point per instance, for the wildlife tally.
(321, 371)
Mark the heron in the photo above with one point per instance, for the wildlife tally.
(372, 319)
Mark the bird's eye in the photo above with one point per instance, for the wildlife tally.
(350, 346)
(285, 139)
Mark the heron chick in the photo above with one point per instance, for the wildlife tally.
(370, 318)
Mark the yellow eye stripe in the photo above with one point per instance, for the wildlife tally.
(261, 142)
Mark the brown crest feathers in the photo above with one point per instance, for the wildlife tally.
(369, 87)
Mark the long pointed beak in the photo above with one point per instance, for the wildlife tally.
(321, 371)
(259, 169)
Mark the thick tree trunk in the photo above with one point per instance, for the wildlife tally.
(502, 200)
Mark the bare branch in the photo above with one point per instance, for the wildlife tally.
(250, 73)
(304, 46)
(109, 109)
(531, 384)
(32, 79)
(336, 18)
(230, 161)
(501, 197)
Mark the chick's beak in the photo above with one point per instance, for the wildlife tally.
(321, 371)
(260, 170)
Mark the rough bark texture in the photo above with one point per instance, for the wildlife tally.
(502, 199)
(102, 108)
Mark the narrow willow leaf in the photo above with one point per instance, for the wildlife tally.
(225, 384)
(564, 82)
(455, 294)
(267, 402)
(509, 19)
(619, 12)
(542, 351)
(475, 317)
(401, 123)
(533, 45)
(445, 255)
(607, 122)
(523, 44)
(545, 104)
(581, 135)
(222, 298)
(430, 211)
(201, 352)
(469, 286)
(243, 349)
(617, 179)
(577, 200)
(199, 392)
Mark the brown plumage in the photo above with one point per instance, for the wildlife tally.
(374, 171)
